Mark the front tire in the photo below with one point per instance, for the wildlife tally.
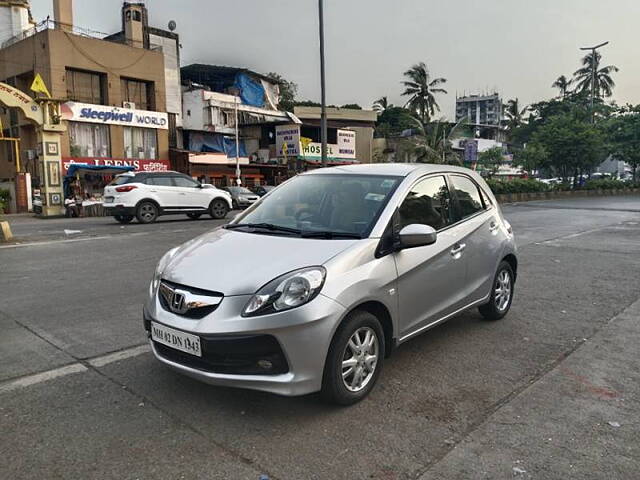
(147, 212)
(124, 219)
(354, 360)
(501, 293)
(218, 209)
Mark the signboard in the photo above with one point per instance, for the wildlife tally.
(289, 137)
(84, 112)
(139, 165)
(346, 144)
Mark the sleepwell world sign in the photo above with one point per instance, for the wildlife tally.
(85, 112)
(289, 143)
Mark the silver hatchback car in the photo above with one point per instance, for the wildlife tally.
(313, 286)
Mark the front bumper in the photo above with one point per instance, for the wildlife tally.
(301, 339)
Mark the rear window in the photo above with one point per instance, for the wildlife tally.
(122, 179)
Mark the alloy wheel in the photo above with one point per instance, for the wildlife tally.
(360, 359)
(502, 295)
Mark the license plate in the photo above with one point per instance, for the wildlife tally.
(185, 342)
(108, 200)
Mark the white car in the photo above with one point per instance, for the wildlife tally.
(148, 195)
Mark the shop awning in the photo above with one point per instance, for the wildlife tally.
(82, 168)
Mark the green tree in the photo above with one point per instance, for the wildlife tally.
(288, 91)
(432, 141)
(574, 146)
(421, 90)
(531, 158)
(562, 84)
(393, 121)
(604, 84)
(352, 106)
(514, 114)
(381, 105)
(490, 160)
(623, 131)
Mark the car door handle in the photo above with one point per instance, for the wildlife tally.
(457, 249)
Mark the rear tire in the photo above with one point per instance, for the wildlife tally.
(194, 216)
(124, 219)
(502, 290)
(147, 212)
(218, 209)
(351, 370)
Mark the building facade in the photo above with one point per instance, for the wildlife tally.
(113, 93)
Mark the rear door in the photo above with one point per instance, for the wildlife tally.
(480, 231)
(161, 186)
(430, 278)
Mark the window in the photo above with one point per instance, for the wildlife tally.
(86, 87)
(89, 140)
(180, 181)
(427, 203)
(138, 92)
(160, 181)
(141, 143)
(468, 197)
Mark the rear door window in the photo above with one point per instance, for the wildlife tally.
(468, 199)
(427, 203)
(160, 181)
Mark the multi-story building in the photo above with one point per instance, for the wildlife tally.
(479, 110)
(114, 90)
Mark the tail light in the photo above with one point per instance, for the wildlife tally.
(126, 188)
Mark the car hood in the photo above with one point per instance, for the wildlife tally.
(239, 263)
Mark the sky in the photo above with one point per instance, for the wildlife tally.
(515, 47)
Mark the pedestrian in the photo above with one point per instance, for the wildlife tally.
(71, 208)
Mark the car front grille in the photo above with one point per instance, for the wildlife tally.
(239, 355)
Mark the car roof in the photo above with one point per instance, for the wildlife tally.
(390, 169)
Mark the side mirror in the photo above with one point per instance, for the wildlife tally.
(417, 235)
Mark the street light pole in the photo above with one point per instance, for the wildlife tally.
(323, 99)
(593, 76)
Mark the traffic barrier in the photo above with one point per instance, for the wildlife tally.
(5, 232)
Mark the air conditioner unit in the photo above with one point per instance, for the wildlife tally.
(130, 105)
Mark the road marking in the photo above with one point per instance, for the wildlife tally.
(117, 356)
(78, 367)
(53, 242)
(42, 377)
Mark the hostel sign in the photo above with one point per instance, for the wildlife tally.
(84, 112)
(289, 143)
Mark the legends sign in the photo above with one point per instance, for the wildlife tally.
(139, 165)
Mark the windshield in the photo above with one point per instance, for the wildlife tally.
(347, 204)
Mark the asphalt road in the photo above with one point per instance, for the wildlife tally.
(552, 391)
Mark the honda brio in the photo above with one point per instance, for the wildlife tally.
(314, 285)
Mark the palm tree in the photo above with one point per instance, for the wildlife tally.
(514, 114)
(421, 89)
(381, 105)
(563, 85)
(432, 144)
(604, 84)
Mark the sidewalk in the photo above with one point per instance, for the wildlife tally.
(579, 421)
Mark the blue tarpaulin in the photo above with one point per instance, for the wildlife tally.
(104, 169)
(251, 92)
(213, 142)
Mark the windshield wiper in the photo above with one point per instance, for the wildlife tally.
(264, 226)
(329, 235)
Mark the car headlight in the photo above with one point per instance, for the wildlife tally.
(287, 291)
(162, 264)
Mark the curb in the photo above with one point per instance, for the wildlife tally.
(529, 197)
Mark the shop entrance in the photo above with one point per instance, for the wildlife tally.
(44, 113)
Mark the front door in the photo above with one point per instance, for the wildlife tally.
(431, 279)
(190, 193)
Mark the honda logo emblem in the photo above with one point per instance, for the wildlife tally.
(177, 303)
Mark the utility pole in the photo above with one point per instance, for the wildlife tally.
(238, 179)
(594, 67)
(323, 99)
